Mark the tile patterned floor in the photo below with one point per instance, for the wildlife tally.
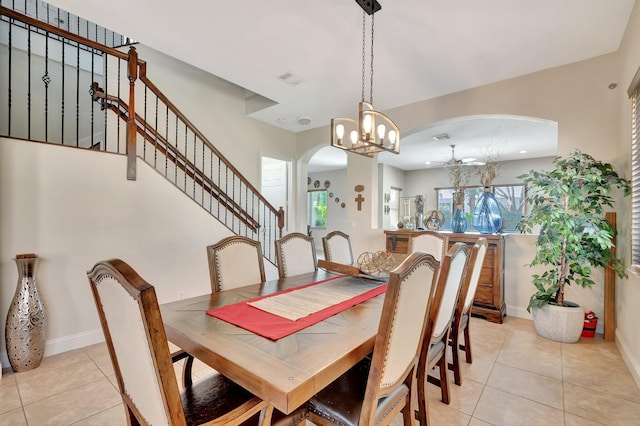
(517, 378)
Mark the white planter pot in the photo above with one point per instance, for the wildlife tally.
(560, 323)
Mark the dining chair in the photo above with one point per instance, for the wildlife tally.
(337, 248)
(434, 348)
(431, 242)
(137, 344)
(460, 322)
(235, 261)
(380, 387)
(295, 255)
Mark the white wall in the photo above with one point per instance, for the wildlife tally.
(75, 207)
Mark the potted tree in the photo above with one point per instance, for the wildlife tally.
(567, 204)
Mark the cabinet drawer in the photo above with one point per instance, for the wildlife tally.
(398, 245)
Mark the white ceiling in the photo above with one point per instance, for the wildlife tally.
(423, 48)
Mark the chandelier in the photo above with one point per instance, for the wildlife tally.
(373, 131)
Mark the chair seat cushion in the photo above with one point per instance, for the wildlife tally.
(216, 395)
(464, 319)
(341, 401)
(435, 351)
(212, 397)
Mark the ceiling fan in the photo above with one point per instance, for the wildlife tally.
(453, 161)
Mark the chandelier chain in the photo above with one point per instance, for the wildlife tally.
(371, 70)
(364, 22)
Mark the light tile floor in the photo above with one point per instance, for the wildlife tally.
(517, 378)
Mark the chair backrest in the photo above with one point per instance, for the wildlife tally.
(472, 277)
(337, 248)
(452, 271)
(295, 254)
(430, 242)
(409, 296)
(235, 261)
(137, 343)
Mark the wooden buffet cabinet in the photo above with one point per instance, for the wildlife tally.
(489, 298)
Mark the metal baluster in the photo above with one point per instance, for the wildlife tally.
(78, 91)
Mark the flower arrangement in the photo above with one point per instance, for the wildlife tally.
(488, 172)
(459, 177)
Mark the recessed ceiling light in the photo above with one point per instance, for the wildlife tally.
(524, 151)
(304, 120)
(427, 162)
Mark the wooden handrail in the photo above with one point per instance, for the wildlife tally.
(63, 33)
(181, 116)
(152, 136)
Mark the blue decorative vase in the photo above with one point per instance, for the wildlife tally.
(487, 217)
(458, 221)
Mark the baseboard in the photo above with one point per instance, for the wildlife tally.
(518, 312)
(64, 344)
(629, 360)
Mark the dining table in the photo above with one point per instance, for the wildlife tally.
(285, 372)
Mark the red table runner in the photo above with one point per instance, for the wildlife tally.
(275, 327)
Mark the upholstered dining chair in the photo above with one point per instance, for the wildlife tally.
(380, 387)
(431, 242)
(295, 255)
(433, 353)
(137, 343)
(235, 261)
(337, 248)
(133, 329)
(460, 322)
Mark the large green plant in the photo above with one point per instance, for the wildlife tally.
(567, 203)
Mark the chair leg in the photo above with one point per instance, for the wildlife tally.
(455, 366)
(444, 383)
(467, 344)
(406, 412)
(422, 412)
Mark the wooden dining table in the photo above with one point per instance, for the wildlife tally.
(286, 372)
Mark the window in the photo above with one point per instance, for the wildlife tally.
(634, 94)
(510, 197)
(317, 208)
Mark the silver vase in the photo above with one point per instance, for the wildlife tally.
(26, 327)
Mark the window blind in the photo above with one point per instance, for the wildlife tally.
(634, 93)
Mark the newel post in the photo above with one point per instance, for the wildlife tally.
(131, 121)
(280, 221)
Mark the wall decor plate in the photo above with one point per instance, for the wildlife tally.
(359, 188)
(316, 184)
(331, 195)
(327, 184)
(343, 205)
(337, 200)
(434, 220)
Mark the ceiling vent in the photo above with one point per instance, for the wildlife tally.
(290, 79)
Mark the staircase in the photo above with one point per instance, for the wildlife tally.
(66, 88)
